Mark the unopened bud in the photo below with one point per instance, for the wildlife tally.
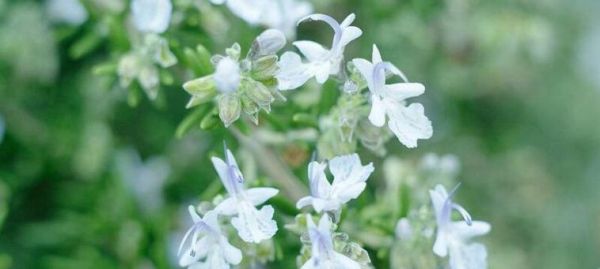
(149, 79)
(229, 108)
(267, 43)
(234, 52)
(265, 67)
(258, 93)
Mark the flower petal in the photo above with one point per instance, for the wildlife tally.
(472, 256)
(378, 111)
(349, 34)
(402, 91)
(227, 207)
(191, 255)
(250, 11)
(152, 16)
(254, 226)
(304, 202)
(258, 196)
(352, 191)
(349, 168)
(409, 124)
(440, 247)
(348, 20)
(311, 50)
(438, 198)
(365, 68)
(466, 231)
(232, 185)
(319, 186)
(293, 73)
(342, 261)
(376, 55)
(321, 71)
(232, 254)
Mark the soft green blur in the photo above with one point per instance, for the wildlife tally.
(513, 90)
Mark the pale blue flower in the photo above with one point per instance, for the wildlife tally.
(407, 122)
(151, 16)
(67, 11)
(349, 181)
(144, 179)
(323, 255)
(253, 225)
(277, 14)
(321, 62)
(208, 248)
(453, 236)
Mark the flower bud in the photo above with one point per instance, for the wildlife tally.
(149, 79)
(258, 93)
(267, 43)
(229, 108)
(264, 67)
(200, 86)
(164, 56)
(250, 107)
(128, 69)
(234, 52)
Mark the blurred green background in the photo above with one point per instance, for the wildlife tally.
(513, 90)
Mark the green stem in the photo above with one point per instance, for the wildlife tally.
(272, 165)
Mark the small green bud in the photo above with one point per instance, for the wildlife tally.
(258, 93)
(234, 52)
(265, 68)
(150, 81)
(229, 108)
(128, 69)
(250, 108)
(202, 90)
(200, 85)
(165, 57)
(209, 121)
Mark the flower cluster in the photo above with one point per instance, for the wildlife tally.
(209, 246)
(349, 182)
(453, 236)
(246, 85)
(367, 104)
(150, 18)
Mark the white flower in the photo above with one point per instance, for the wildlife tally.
(278, 14)
(209, 248)
(67, 11)
(322, 62)
(408, 123)
(151, 16)
(248, 10)
(323, 255)
(144, 179)
(253, 225)
(349, 177)
(404, 230)
(453, 236)
(284, 15)
(227, 75)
